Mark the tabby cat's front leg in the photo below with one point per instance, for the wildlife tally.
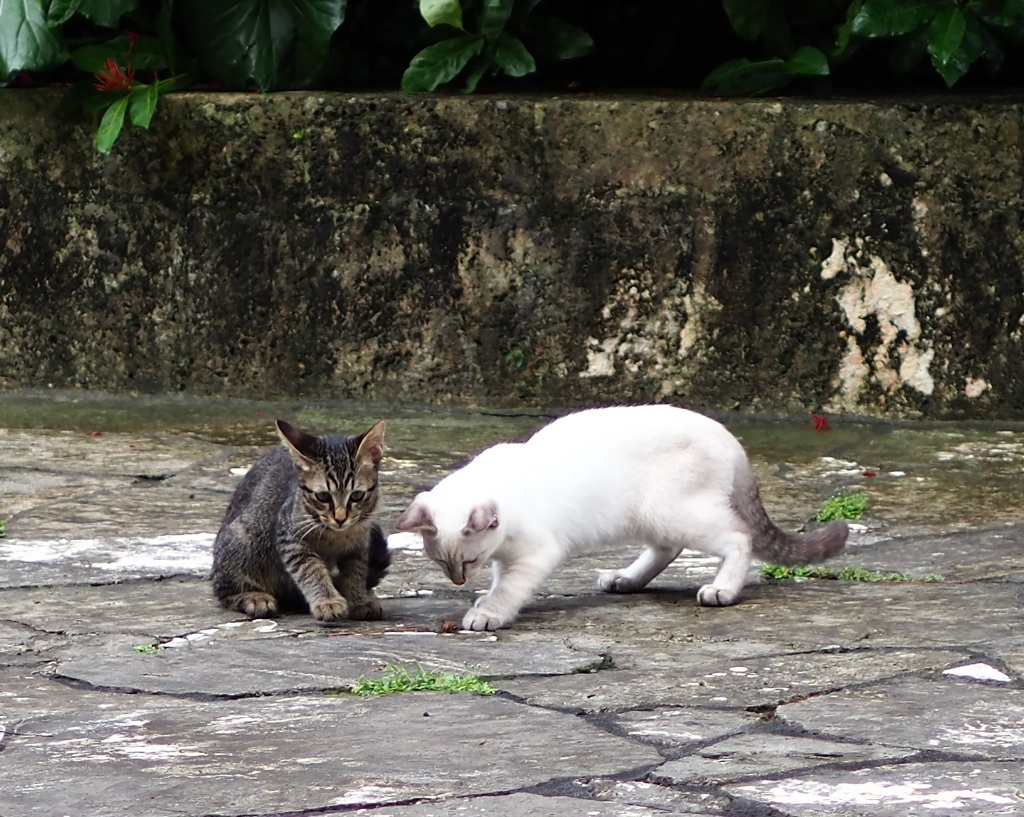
(351, 583)
(310, 574)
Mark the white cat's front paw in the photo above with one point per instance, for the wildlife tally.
(480, 619)
(615, 581)
(711, 596)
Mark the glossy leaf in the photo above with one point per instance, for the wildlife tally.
(263, 43)
(106, 12)
(477, 68)
(165, 33)
(740, 77)
(142, 104)
(945, 34)
(511, 56)
(891, 18)
(808, 61)
(60, 11)
(440, 63)
(556, 40)
(748, 17)
(441, 12)
(494, 15)
(145, 53)
(26, 41)
(960, 60)
(845, 35)
(111, 124)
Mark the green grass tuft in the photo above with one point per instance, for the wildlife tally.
(839, 506)
(147, 649)
(3, 529)
(400, 679)
(843, 574)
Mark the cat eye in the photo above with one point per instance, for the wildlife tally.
(322, 496)
(357, 496)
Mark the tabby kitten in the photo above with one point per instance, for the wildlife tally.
(298, 532)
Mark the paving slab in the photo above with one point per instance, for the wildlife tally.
(160, 756)
(809, 697)
(950, 789)
(936, 714)
(236, 668)
(523, 805)
(753, 755)
(702, 679)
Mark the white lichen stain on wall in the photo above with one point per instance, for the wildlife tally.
(874, 291)
(643, 328)
(975, 387)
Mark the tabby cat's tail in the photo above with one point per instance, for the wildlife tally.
(379, 557)
(773, 545)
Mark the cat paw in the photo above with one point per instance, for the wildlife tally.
(369, 610)
(711, 596)
(255, 605)
(329, 610)
(613, 581)
(479, 619)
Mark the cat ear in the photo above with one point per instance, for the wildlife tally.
(371, 445)
(481, 518)
(300, 444)
(417, 517)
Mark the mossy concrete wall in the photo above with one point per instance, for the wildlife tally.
(783, 256)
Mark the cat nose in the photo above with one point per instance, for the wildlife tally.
(340, 516)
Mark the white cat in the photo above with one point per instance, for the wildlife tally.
(658, 476)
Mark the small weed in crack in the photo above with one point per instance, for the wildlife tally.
(401, 679)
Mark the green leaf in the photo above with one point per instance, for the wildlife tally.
(106, 12)
(143, 104)
(60, 11)
(748, 17)
(263, 43)
(478, 67)
(999, 13)
(111, 124)
(808, 61)
(494, 15)
(165, 32)
(846, 30)
(960, 60)
(907, 52)
(890, 18)
(145, 53)
(440, 63)
(511, 56)
(945, 34)
(555, 40)
(26, 41)
(441, 12)
(741, 77)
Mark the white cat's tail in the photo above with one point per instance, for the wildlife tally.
(773, 545)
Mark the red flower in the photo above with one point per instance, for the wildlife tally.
(820, 422)
(111, 79)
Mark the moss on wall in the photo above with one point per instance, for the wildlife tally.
(782, 256)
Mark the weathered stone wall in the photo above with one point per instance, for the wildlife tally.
(792, 256)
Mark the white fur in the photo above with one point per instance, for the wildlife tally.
(655, 476)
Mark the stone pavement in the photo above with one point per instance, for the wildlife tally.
(811, 697)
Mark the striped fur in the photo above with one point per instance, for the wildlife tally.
(299, 531)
